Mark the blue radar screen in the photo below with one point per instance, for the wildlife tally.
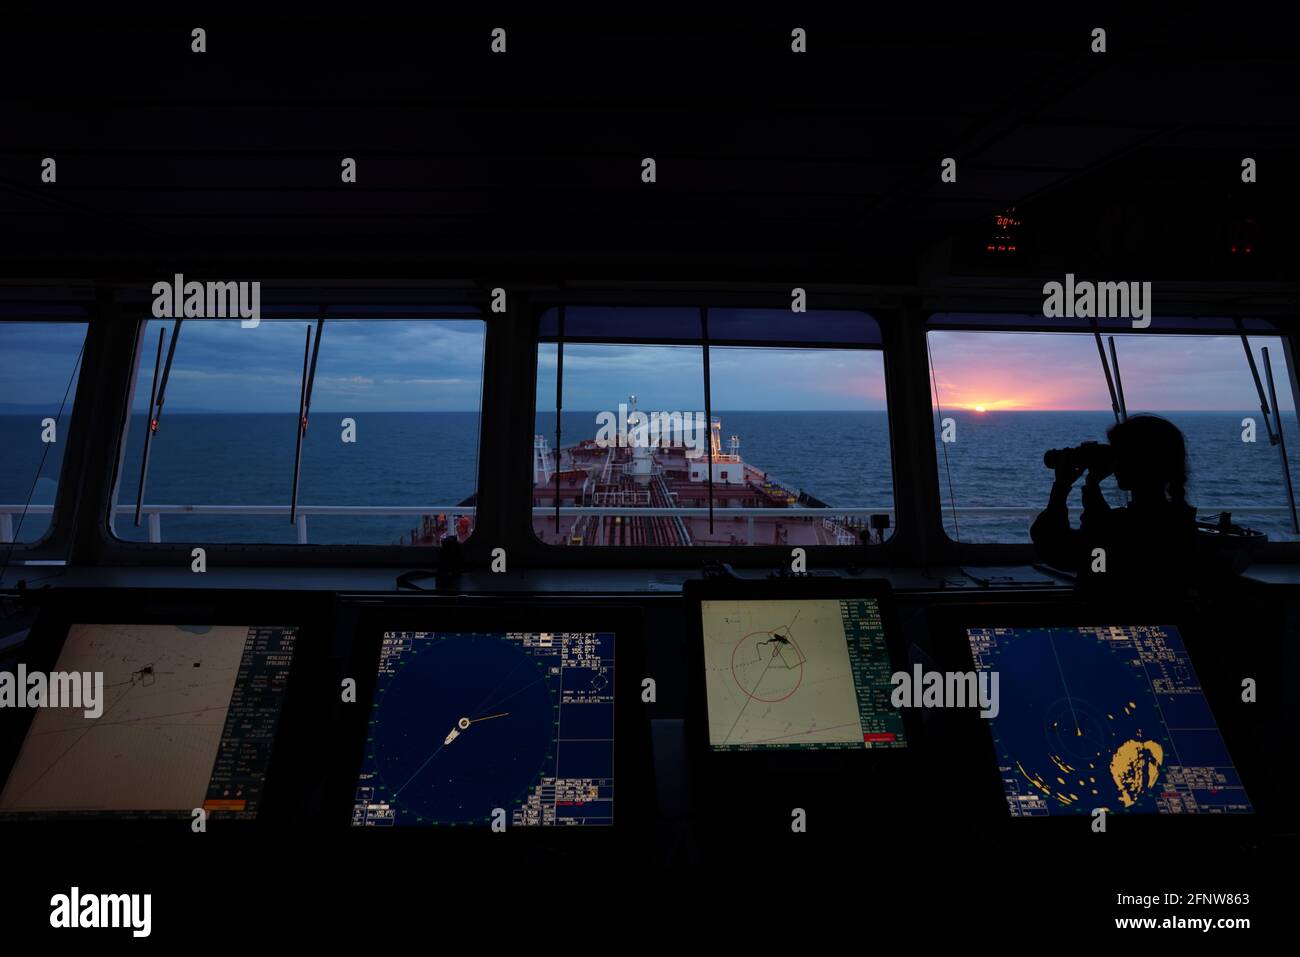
(468, 728)
(1104, 717)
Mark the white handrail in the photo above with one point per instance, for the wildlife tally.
(154, 512)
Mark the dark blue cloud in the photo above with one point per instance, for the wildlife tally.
(37, 361)
(364, 365)
(377, 365)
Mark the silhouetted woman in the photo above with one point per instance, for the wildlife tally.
(1148, 548)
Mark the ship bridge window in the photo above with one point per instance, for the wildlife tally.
(682, 426)
(1004, 396)
(386, 453)
(39, 366)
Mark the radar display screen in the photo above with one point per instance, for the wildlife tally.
(472, 728)
(1104, 717)
(187, 718)
(805, 674)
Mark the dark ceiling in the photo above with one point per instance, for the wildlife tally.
(824, 165)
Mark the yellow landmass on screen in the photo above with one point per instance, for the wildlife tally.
(1134, 768)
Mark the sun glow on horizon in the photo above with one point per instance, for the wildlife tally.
(992, 405)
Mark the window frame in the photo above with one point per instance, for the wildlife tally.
(116, 313)
(902, 540)
(55, 546)
(107, 549)
(1194, 318)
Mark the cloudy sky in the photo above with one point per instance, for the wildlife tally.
(377, 365)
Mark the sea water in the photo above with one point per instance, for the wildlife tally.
(430, 459)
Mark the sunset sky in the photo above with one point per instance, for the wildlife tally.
(998, 371)
(437, 366)
(1038, 371)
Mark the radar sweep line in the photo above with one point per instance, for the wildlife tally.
(1078, 732)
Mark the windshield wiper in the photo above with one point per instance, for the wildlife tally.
(304, 408)
(559, 403)
(157, 394)
(1265, 401)
(1281, 444)
(1259, 386)
(1119, 383)
(1105, 367)
(708, 407)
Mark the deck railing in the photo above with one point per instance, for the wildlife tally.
(154, 513)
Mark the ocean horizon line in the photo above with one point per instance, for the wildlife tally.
(43, 409)
(716, 411)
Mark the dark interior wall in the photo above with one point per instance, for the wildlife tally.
(821, 166)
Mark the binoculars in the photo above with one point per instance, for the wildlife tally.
(1090, 456)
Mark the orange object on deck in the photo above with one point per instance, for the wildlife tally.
(225, 804)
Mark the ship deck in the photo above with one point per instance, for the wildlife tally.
(790, 531)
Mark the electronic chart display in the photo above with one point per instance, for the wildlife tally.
(477, 728)
(805, 674)
(187, 717)
(1104, 717)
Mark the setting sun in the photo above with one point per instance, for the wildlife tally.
(992, 405)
